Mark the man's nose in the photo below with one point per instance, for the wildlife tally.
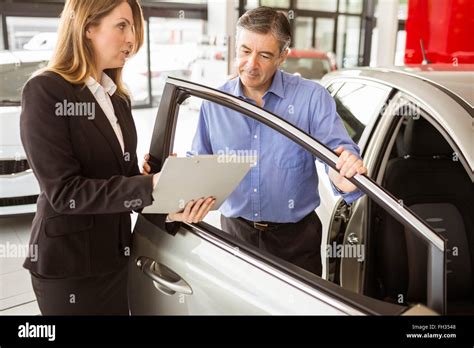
(252, 61)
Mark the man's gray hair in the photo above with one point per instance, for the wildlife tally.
(264, 20)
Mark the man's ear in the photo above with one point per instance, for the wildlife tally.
(284, 55)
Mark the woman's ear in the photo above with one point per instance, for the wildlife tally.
(89, 33)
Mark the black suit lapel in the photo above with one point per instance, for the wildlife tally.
(122, 115)
(102, 123)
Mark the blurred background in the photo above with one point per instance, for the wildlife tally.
(194, 39)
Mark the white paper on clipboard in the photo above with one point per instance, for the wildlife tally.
(186, 178)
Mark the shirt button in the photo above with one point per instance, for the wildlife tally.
(256, 214)
(255, 136)
(254, 190)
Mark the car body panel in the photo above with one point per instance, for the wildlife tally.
(222, 280)
(18, 187)
(10, 142)
(461, 84)
(14, 186)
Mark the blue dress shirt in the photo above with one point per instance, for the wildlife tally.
(283, 185)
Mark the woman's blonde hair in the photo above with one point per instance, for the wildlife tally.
(73, 57)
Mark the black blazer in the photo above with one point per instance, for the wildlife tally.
(88, 187)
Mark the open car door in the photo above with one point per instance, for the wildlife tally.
(203, 270)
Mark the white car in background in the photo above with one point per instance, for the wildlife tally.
(18, 186)
(42, 42)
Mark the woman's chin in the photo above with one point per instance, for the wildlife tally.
(117, 65)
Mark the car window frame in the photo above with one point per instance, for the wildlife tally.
(176, 91)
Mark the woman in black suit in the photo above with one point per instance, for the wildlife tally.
(80, 139)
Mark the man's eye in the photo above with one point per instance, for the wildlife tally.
(265, 57)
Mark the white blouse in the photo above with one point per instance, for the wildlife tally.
(102, 93)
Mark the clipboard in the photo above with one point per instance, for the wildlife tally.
(186, 178)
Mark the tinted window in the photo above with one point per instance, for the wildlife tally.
(357, 104)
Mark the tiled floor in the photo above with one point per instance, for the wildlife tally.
(16, 293)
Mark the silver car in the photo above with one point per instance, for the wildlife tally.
(406, 247)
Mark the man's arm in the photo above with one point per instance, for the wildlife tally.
(327, 126)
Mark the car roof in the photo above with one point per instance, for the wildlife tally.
(462, 83)
(458, 79)
(447, 93)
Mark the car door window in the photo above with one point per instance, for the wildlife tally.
(358, 104)
(276, 195)
(272, 148)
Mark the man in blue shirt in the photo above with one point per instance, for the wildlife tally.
(273, 207)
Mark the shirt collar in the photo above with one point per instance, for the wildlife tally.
(276, 87)
(106, 83)
(238, 90)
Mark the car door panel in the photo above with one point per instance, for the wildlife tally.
(221, 281)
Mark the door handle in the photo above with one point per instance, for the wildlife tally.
(163, 277)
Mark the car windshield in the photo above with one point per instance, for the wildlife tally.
(309, 68)
(16, 68)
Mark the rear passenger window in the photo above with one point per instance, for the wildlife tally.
(358, 104)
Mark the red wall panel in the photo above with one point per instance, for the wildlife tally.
(446, 28)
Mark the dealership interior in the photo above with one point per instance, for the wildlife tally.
(399, 74)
